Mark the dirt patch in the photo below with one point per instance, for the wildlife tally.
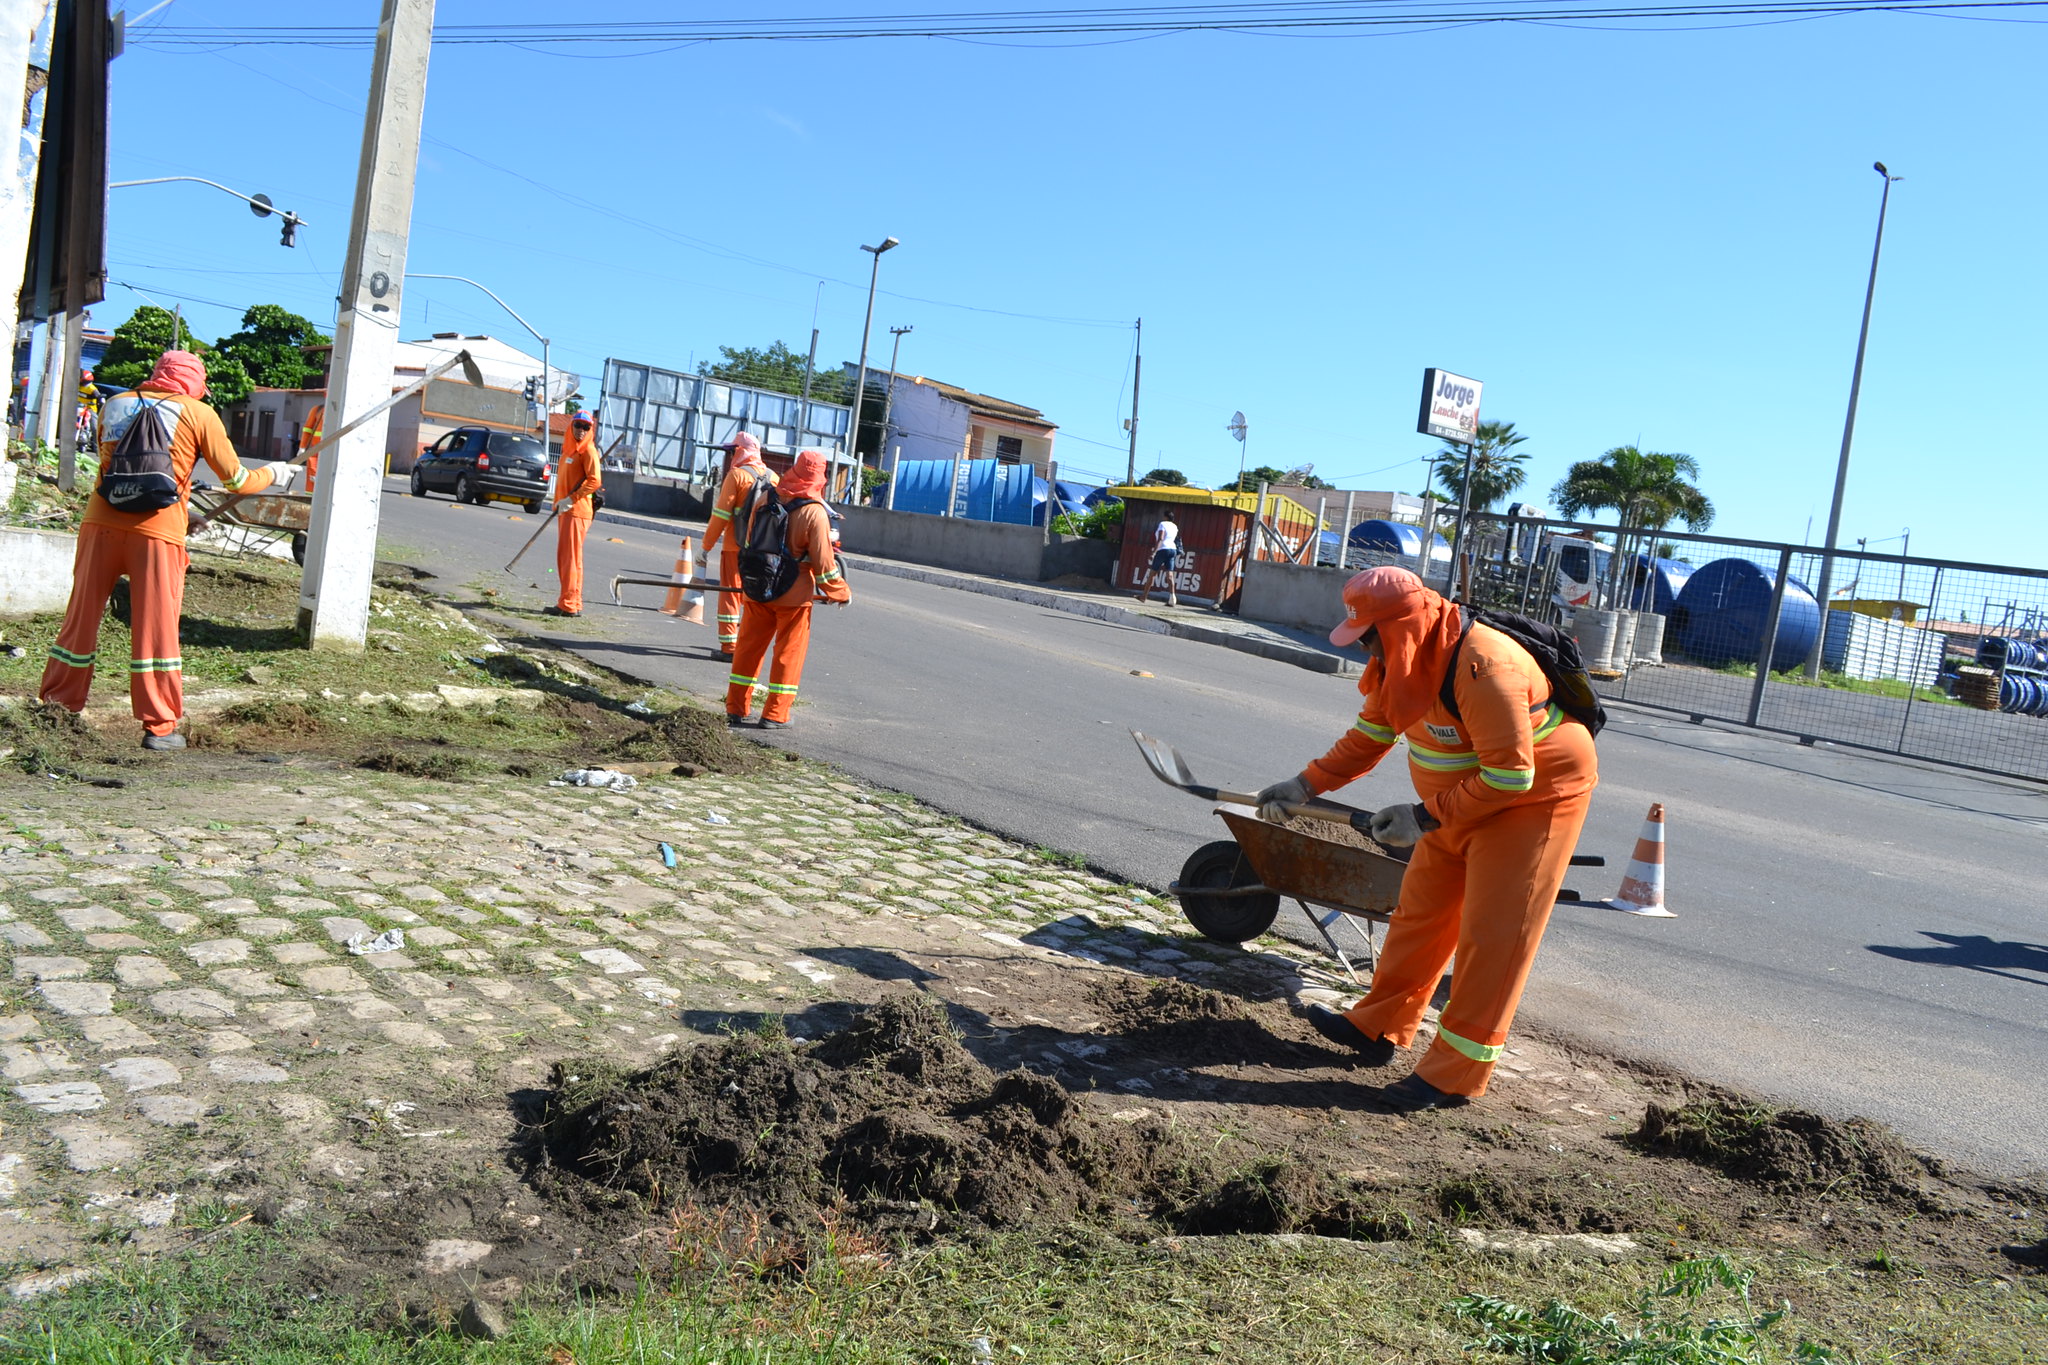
(1789, 1150)
(890, 1117)
(1340, 834)
(1133, 1005)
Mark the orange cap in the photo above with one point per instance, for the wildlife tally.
(1372, 596)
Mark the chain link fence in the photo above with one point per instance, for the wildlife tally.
(1930, 658)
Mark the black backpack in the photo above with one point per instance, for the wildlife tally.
(767, 568)
(139, 475)
(1555, 652)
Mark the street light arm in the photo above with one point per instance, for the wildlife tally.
(197, 180)
(423, 275)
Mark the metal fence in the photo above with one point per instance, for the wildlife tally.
(1931, 658)
(667, 422)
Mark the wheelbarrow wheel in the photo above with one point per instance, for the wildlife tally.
(1221, 866)
(299, 548)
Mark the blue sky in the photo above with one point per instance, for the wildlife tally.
(1644, 235)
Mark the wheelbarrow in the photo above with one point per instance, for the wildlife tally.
(1231, 889)
(269, 515)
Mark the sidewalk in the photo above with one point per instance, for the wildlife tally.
(1303, 648)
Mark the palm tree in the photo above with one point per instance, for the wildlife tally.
(1648, 490)
(1496, 465)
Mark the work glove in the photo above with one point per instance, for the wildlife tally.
(1274, 800)
(1400, 826)
(284, 477)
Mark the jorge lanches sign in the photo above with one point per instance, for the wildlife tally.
(1450, 407)
(450, 400)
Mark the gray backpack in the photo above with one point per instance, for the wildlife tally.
(139, 475)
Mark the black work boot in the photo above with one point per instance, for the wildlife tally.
(173, 740)
(1345, 1034)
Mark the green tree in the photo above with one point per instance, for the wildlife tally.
(1646, 489)
(271, 348)
(778, 369)
(1249, 481)
(1166, 478)
(1496, 466)
(140, 342)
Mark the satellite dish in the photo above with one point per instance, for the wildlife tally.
(259, 204)
(1237, 425)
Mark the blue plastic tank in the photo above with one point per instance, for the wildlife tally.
(1658, 583)
(1721, 612)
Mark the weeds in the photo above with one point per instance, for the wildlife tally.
(1669, 1328)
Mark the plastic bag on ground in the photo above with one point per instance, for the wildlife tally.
(597, 777)
(362, 945)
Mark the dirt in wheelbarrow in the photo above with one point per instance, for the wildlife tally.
(1003, 1094)
(1338, 834)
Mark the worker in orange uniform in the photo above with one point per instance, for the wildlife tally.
(577, 478)
(147, 548)
(309, 440)
(786, 621)
(1505, 784)
(742, 472)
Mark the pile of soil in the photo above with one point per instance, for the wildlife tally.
(889, 1118)
(1789, 1151)
(688, 734)
(1335, 833)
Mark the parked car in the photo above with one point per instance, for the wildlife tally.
(477, 464)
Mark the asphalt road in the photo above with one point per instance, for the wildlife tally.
(1856, 934)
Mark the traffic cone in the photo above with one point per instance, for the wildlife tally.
(685, 604)
(1642, 886)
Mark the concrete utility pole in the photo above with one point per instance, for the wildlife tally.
(1137, 373)
(67, 392)
(334, 595)
(889, 395)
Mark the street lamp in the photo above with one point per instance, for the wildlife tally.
(547, 373)
(259, 204)
(860, 385)
(1827, 561)
(889, 397)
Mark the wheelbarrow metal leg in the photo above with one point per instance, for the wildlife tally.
(1323, 918)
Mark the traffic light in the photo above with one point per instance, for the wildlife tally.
(532, 387)
(289, 235)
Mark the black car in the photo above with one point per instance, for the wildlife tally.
(477, 464)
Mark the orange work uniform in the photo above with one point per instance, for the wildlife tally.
(576, 479)
(719, 534)
(785, 623)
(146, 548)
(309, 437)
(1509, 783)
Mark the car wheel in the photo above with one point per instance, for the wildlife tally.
(419, 483)
(531, 505)
(462, 491)
(1221, 867)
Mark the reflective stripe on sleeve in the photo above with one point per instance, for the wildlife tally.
(721, 513)
(1374, 732)
(1508, 779)
(1478, 1052)
(235, 481)
(831, 577)
(1553, 717)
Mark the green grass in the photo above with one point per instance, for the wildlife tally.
(735, 1294)
(1896, 688)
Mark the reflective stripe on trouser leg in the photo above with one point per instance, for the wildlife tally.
(792, 643)
(95, 568)
(757, 631)
(1517, 860)
(156, 595)
(569, 558)
(732, 606)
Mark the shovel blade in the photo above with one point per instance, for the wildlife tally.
(1164, 760)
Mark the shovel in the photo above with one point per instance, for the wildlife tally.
(1169, 767)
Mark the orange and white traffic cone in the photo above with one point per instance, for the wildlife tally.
(1642, 886)
(685, 604)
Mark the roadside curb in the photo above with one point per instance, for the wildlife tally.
(1280, 651)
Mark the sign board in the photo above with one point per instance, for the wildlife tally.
(452, 400)
(1450, 407)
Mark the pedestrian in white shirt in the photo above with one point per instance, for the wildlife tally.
(1165, 557)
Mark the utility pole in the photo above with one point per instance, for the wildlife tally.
(1137, 373)
(889, 394)
(334, 595)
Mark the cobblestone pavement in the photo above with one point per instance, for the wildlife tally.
(193, 1032)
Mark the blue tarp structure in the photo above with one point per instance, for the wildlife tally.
(989, 490)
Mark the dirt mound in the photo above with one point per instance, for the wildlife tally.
(889, 1112)
(1789, 1150)
(1130, 1005)
(689, 734)
(48, 739)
